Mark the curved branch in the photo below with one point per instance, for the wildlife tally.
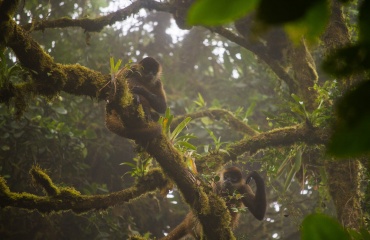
(97, 24)
(280, 137)
(217, 114)
(274, 65)
(64, 198)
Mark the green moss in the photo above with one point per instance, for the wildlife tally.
(69, 191)
(127, 97)
(41, 178)
(204, 201)
(24, 195)
(137, 237)
(4, 189)
(141, 112)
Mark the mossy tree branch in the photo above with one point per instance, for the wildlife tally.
(66, 198)
(48, 77)
(208, 207)
(281, 137)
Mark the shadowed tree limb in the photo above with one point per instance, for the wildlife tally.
(66, 198)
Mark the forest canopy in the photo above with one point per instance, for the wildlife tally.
(118, 116)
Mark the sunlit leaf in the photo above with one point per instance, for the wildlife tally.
(190, 162)
(179, 128)
(216, 12)
(60, 110)
(321, 227)
(186, 145)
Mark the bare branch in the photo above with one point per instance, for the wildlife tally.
(97, 24)
(274, 65)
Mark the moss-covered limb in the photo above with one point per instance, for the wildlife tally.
(282, 137)
(84, 81)
(70, 199)
(305, 75)
(275, 138)
(41, 178)
(218, 114)
(206, 205)
(48, 77)
(336, 35)
(97, 24)
(216, 223)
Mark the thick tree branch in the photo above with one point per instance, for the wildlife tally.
(208, 207)
(48, 77)
(64, 198)
(280, 137)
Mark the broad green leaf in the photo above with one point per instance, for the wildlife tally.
(217, 12)
(179, 128)
(186, 145)
(322, 227)
(296, 98)
(128, 164)
(60, 110)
